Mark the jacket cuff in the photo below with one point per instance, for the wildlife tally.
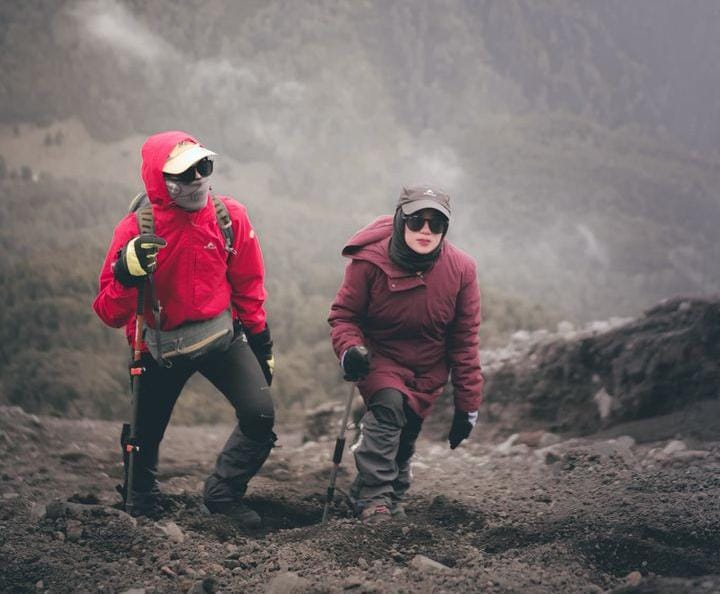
(469, 416)
(262, 341)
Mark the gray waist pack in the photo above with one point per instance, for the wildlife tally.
(192, 340)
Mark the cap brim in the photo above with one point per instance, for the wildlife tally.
(416, 205)
(186, 159)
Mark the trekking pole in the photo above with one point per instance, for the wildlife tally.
(132, 448)
(337, 455)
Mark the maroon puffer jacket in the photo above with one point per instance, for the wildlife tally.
(419, 327)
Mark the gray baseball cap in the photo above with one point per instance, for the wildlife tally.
(417, 198)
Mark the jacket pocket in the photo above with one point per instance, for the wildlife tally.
(210, 273)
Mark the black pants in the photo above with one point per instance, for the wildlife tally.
(237, 374)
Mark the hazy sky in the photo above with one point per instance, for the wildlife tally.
(576, 138)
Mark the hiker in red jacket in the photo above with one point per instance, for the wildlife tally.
(406, 318)
(206, 281)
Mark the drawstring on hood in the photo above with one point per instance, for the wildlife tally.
(404, 256)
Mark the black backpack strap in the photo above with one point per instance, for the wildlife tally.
(225, 224)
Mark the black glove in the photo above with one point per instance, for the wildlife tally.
(356, 363)
(262, 346)
(460, 429)
(137, 259)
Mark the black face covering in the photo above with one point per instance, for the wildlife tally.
(404, 256)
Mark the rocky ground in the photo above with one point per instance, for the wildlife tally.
(534, 513)
(595, 468)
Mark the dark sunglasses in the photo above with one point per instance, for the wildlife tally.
(204, 167)
(417, 222)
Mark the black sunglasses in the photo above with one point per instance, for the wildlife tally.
(416, 222)
(204, 167)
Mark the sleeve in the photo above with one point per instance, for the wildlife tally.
(246, 272)
(349, 307)
(115, 304)
(464, 345)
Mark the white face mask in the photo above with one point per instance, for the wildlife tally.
(189, 196)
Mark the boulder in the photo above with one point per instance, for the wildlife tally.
(423, 563)
(287, 582)
(612, 373)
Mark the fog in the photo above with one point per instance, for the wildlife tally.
(577, 139)
(113, 27)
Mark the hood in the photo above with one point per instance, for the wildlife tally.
(371, 244)
(155, 152)
(381, 228)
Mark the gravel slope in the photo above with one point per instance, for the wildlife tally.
(534, 513)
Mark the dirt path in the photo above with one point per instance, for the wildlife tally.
(585, 515)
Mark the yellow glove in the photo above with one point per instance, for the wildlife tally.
(141, 254)
(137, 259)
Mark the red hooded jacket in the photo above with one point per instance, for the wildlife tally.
(195, 279)
(419, 328)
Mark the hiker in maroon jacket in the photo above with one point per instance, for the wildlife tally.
(406, 318)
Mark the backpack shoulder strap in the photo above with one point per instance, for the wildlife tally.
(144, 214)
(145, 221)
(225, 223)
(141, 199)
(142, 208)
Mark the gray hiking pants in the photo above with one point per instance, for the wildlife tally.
(388, 432)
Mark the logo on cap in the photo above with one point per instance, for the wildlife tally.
(429, 192)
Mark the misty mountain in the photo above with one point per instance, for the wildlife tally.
(645, 62)
(560, 128)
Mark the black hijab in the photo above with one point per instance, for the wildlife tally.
(403, 255)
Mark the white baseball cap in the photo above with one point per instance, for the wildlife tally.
(184, 155)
